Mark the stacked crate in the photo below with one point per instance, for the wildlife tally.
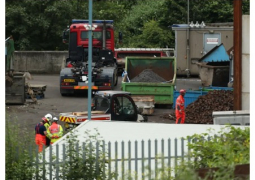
(35, 91)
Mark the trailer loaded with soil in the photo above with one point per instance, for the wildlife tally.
(150, 76)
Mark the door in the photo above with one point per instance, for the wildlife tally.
(123, 108)
(210, 41)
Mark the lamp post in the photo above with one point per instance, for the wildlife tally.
(90, 60)
(188, 39)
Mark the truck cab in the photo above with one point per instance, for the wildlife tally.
(108, 106)
(74, 76)
(117, 103)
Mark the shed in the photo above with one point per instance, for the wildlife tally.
(193, 41)
(214, 67)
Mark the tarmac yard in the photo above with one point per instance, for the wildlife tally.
(29, 114)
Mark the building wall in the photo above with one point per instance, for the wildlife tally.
(246, 62)
(39, 62)
(197, 46)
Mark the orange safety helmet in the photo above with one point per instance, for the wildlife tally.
(182, 91)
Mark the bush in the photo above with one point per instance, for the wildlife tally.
(224, 151)
(230, 147)
(18, 158)
(86, 161)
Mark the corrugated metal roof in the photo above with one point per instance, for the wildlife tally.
(216, 54)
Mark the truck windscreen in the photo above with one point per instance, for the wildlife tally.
(96, 35)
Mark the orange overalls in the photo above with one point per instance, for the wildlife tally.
(40, 139)
(179, 110)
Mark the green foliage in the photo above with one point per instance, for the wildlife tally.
(82, 161)
(38, 25)
(225, 151)
(230, 148)
(153, 36)
(18, 160)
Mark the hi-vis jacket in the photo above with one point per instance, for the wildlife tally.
(55, 132)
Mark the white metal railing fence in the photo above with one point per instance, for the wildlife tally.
(123, 160)
(117, 160)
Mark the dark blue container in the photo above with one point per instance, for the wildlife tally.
(192, 96)
(215, 88)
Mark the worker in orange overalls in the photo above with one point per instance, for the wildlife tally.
(40, 134)
(179, 108)
(55, 131)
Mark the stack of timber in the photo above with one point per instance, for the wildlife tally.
(35, 92)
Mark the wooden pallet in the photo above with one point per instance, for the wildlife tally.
(38, 96)
(34, 91)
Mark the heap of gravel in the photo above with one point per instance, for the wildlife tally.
(200, 111)
(148, 75)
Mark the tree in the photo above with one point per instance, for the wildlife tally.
(37, 25)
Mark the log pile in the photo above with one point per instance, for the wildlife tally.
(200, 111)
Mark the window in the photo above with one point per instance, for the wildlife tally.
(101, 104)
(124, 106)
(96, 35)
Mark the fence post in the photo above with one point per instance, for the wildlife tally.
(142, 159)
(169, 157)
(84, 155)
(57, 162)
(149, 158)
(175, 152)
(109, 160)
(104, 156)
(156, 159)
(37, 163)
(136, 168)
(129, 158)
(116, 160)
(182, 148)
(64, 159)
(50, 163)
(123, 160)
(162, 155)
(97, 159)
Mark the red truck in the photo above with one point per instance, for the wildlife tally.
(74, 76)
(121, 53)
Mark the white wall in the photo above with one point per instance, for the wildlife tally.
(131, 131)
(246, 62)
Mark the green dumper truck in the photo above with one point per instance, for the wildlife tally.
(150, 76)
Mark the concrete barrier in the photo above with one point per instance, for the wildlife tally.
(40, 62)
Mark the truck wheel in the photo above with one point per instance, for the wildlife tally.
(66, 92)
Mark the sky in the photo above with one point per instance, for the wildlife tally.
(252, 88)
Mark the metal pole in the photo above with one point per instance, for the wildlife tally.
(237, 55)
(90, 60)
(188, 48)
